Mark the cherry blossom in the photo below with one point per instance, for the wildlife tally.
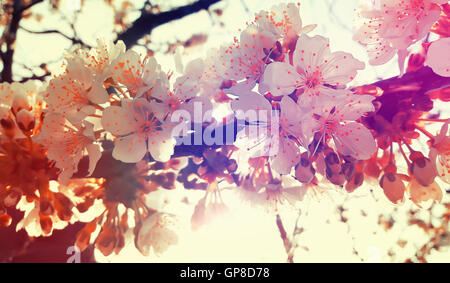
(20, 98)
(270, 135)
(393, 25)
(138, 129)
(438, 57)
(75, 92)
(393, 187)
(283, 195)
(421, 195)
(100, 58)
(245, 60)
(67, 143)
(184, 93)
(336, 118)
(283, 21)
(157, 233)
(440, 152)
(138, 75)
(315, 70)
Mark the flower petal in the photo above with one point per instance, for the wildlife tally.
(118, 120)
(129, 149)
(355, 140)
(281, 78)
(288, 156)
(438, 57)
(340, 68)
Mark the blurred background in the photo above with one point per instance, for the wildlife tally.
(334, 227)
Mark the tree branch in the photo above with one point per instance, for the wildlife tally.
(9, 38)
(148, 21)
(54, 31)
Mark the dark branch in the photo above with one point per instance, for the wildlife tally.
(148, 21)
(54, 31)
(9, 38)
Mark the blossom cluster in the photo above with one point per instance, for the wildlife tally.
(107, 128)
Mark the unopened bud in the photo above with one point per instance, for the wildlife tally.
(423, 171)
(20, 102)
(304, 172)
(349, 170)
(335, 178)
(232, 166)
(45, 207)
(355, 182)
(5, 220)
(25, 120)
(8, 127)
(332, 162)
(12, 197)
(393, 187)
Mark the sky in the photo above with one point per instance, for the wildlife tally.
(248, 234)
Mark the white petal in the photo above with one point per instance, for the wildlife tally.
(340, 68)
(288, 156)
(438, 57)
(97, 94)
(161, 144)
(94, 156)
(252, 104)
(310, 51)
(118, 120)
(291, 117)
(129, 149)
(355, 140)
(281, 78)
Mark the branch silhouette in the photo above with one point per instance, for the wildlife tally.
(148, 21)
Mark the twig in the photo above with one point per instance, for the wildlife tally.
(148, 21)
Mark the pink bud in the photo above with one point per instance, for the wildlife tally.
(421, 194)
(20, 101)
(393, 187)
(25, 120)
(423, 171)
(304, 172)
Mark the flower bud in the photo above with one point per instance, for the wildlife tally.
(25, 120)
(106, 241)
(423, 171)
(8, 127)
(304, 172)
(5, 220)
(335, 178)
(12, 197)
(332, 162)
(46, 224)
(349, 170)
(355, 182)
(421, 194)
(157, 232)
(393, 187)
(20, 101)
(45, 207)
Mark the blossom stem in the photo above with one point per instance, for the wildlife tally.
(391, 154)
(403, 153)
(425, 132)
(433, 120)
(99, 107)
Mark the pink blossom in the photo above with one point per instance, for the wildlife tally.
(314, 70)
(438, 57)
(67, 143)
(138, 130)
(394, 25)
